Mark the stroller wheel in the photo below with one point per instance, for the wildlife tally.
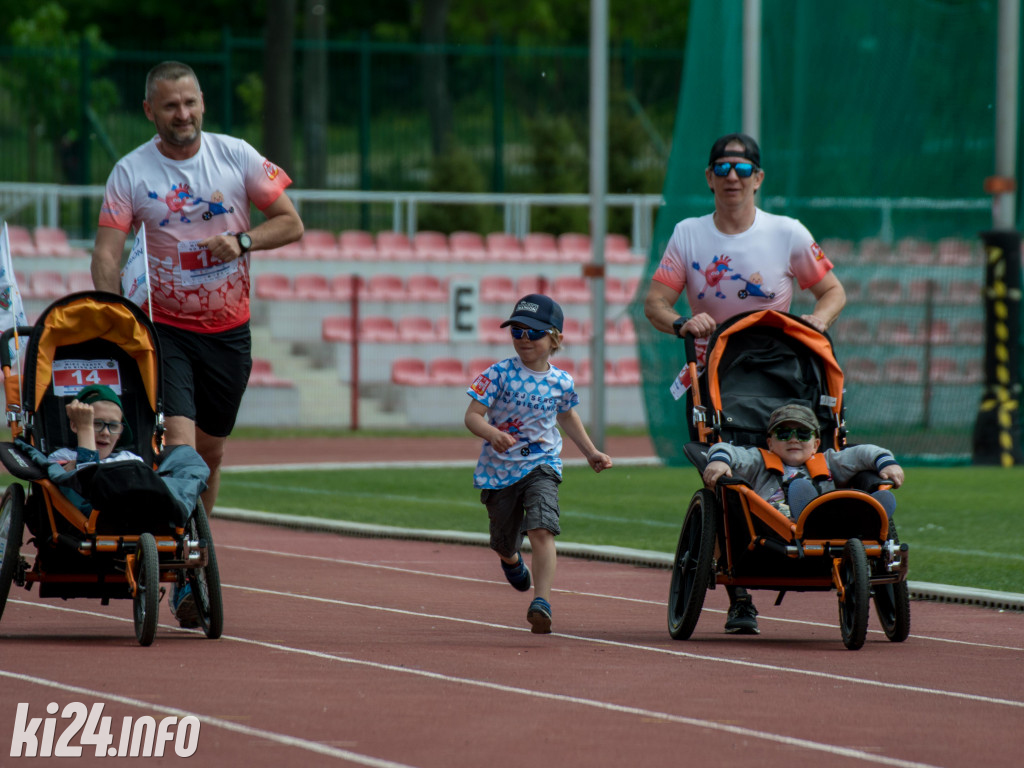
(147, 591)
(691, 569)
(205, 581)
(12, 526)
(853, 607)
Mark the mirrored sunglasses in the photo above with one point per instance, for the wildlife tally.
(743, 170)
(532, 335)
(786, 433)
(113, 427)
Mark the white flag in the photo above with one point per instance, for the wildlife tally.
(135, 275)
(12, 311)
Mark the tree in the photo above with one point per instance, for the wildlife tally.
(49, 89)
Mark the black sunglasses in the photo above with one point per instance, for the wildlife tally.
(743, 170)
(786, 433)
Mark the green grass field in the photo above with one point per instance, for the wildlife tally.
(965, 525)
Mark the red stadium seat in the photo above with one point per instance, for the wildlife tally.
(429, 288)
(337, 328)
(957, 252)
(289, 252)
(21, 241)
(570, 289)
(313, 287)
(343, 287)
(566, 364)
(357, 245)
(448, 371)
(574, 247)
(862, 369)
(944, 370)
(969, 331)
(53, 241)
(540, 246)
(46, 284)
(478, 365)
(531, 284)
(837, 250)
(385, 288)
(902, 370)
(467, 246)
(910, 250)
(874, 250)
(409, 371)
(431, 246)
(319, 244)
(852, 331)
(413, 329)
(885, 291)
(272, 286)
(262, 375)
(627, 371)
(497, 289)
(618, 251)
(502, 246)
(572, 331)
(964, 292)
(379, 329)
(491, 332)
(394, 246)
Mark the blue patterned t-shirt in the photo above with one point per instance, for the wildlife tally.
(525, 404)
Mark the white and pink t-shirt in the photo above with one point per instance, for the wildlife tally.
(725, 275)
(183, 202)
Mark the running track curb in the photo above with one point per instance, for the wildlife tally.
(920, 590)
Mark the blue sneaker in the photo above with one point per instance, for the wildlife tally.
(183, 606)
(539, 616)
(518, 575)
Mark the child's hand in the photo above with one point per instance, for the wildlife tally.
(893, 473)
(713, 471)
(502, 441)
(599, 461)
(80, 414)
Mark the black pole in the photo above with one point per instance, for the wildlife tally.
(997, 429)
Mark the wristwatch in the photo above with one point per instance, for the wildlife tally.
(677, 326)
(244, 241)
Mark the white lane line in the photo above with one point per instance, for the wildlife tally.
(708, 725)
(888, 685)
(472, 579)
(278, 738)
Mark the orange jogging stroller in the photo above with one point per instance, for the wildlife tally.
(843, 540)
(146, 525)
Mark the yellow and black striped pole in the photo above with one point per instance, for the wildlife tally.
(997, 437)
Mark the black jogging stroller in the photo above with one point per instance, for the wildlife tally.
(843, 540)
(146, 526)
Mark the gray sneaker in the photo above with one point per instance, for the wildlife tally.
(742, 618)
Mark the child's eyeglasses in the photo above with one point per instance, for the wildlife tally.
(743, 170)
(113, 427)
(803, 435)
(532, 335)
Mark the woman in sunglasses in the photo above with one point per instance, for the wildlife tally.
(738, 259)
(801, 473)
(517, 407)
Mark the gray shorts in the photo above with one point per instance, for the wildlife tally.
(526, 505)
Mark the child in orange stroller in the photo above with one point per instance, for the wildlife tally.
(761, 364)
(109, 526)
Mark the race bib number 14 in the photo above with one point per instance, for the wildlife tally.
(69, 376)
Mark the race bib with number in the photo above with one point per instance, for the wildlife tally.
(198, 266)
(70, 376)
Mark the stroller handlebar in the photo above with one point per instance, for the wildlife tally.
(5, 342)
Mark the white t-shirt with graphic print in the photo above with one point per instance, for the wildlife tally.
(526, 404)
(186, 201)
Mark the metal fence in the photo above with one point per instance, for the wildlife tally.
(517, 116)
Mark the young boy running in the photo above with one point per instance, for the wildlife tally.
(517, 406)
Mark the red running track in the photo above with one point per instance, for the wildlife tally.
(348, 651)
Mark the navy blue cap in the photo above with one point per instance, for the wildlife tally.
(538, 312)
